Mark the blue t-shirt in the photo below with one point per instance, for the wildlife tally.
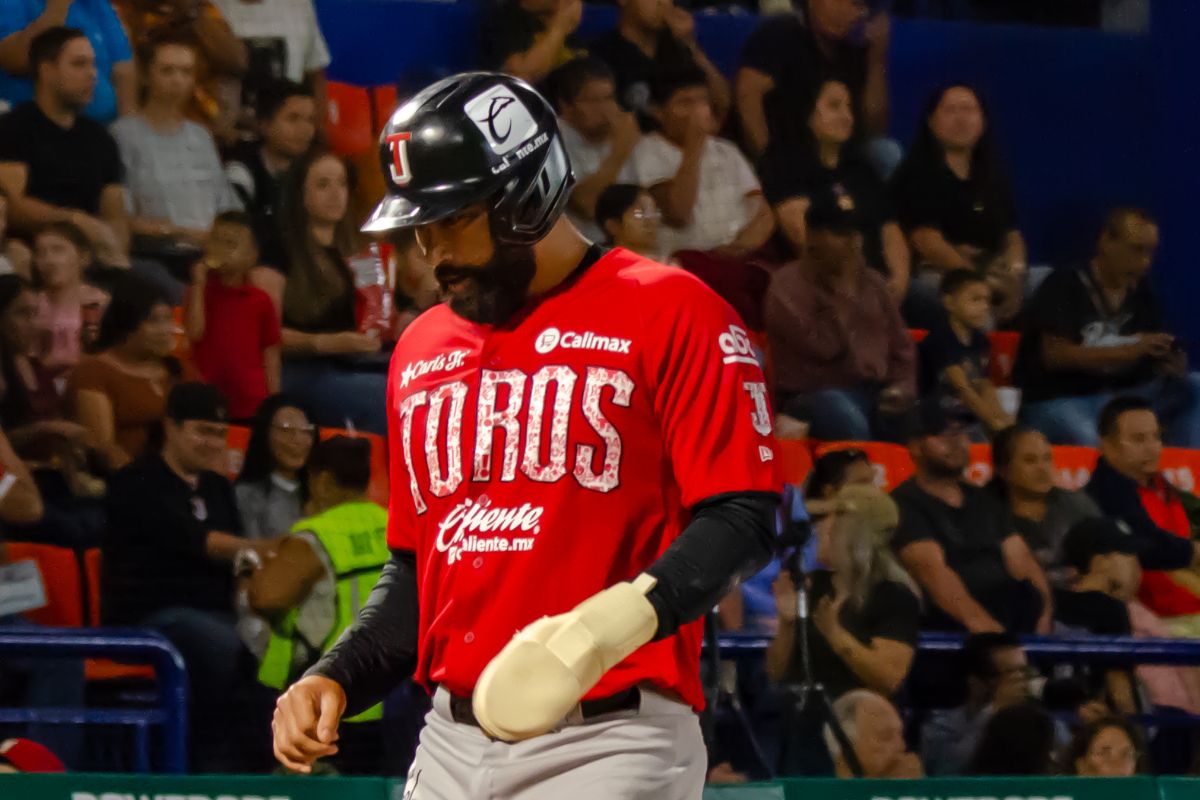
(98, 21)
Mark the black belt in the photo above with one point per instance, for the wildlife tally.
(628, 700)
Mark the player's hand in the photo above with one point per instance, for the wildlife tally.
(785, 597)
(539, 676)
(306, 722)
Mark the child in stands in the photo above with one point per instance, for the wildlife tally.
(68, 308)
(954, 356)
(232, 325)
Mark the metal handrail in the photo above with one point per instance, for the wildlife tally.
(1108, 650)
(138, 646)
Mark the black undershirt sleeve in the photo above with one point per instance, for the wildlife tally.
(379, 650)
(730, 538)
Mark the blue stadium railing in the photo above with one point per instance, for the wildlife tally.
(137, 646)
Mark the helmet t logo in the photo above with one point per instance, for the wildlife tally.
(398, 143)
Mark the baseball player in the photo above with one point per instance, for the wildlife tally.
(581, 466)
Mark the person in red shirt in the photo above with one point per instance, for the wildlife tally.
(1128, 486)
(232, 325)
(581, 453)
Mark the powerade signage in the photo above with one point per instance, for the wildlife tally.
(158, 796)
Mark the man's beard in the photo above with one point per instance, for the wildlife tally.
(490, 294)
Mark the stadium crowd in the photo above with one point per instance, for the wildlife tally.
(180, 253)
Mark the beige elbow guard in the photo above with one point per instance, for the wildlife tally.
(539, 676)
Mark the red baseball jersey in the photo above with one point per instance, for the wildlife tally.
(537, 463)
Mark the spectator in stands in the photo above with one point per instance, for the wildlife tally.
(56, 165)
(863, 630)
(233, 326)
(824, 169)
(1128, 486)
(31, 404)
(119, 394)
(287, 124)
(872, 725)
(709, 196)
(598, 136)
(653, 39)
(998, 677)
(221, 57)
(1107, 748)
(955, 539)
(317, 299)
(316, 585)
(954, 356)
(14, 254)
(110, 64)
(283, 41)
(843, 358)
(272, 487)
(176, 182)
(20, 500)
(416, 286)
(1018, 740)
(173, 533)
(61, 257)
(1106, 570)
(787, 58)
(1096, 330)
(530, 38)
(1023, 477)
(955, 203)
(630, 218)
(755, 607)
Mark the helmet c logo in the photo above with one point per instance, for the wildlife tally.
(398, 143)
(494, 112)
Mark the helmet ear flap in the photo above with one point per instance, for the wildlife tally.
(529, 216)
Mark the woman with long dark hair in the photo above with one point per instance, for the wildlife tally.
(955, 202)
(1017, 740)
(120, 393)
(1023, 476)
(323, 348)
(826, 171)
(272, 486)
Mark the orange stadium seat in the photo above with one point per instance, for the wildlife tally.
(62, 580)
(892, 463)
(1181, 467)
(795, 460)
(378, 490)
(348, 121)
(917, 334)
(235, 450)
(1004, 356)
(103, 669)
(979, 470)
(1073, 465)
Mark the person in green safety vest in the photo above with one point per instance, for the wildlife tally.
(320, 577)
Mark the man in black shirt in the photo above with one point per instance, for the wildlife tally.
(654, 38)
(958, 542)
(57, 165)
(530, 38)
(287, 123)
(171, 540)
(1096, 330)
(786, 60)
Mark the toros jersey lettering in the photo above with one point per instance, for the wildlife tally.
(537, 463)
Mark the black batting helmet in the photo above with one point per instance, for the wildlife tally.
(475, 138)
